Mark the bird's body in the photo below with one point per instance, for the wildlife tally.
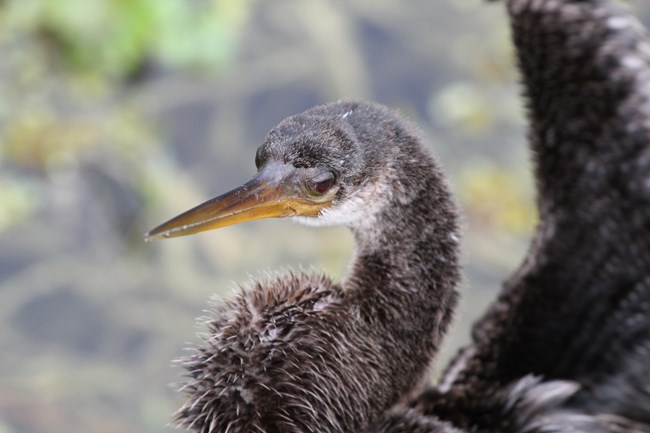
(566, 347)
(299, 353)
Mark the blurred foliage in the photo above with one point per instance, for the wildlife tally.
(115, 38)
(117, 114)
(67, 66)
(496, 196)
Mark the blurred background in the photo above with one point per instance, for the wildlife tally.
(118, 114)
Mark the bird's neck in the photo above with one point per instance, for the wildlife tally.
(406, 269)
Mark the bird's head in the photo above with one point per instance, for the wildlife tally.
(324, 166)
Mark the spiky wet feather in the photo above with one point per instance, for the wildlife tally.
(298, 353)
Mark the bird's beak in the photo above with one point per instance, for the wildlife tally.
(274, 193)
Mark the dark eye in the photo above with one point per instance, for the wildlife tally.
(322, 184)
(259, 157)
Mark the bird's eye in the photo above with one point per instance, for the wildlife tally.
(321, 185)
(259, 158)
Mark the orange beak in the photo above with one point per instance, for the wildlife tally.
(274, 193)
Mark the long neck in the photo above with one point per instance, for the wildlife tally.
(405, 272)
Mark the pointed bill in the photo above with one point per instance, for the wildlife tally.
(271, 194)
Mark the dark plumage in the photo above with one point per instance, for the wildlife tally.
(299, 353)
(566, 347)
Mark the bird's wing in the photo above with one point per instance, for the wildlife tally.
(578, 308)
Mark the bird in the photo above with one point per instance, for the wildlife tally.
(298, 352)
(566, 346)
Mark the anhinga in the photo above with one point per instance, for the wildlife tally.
(300, 353)
(565, 348)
